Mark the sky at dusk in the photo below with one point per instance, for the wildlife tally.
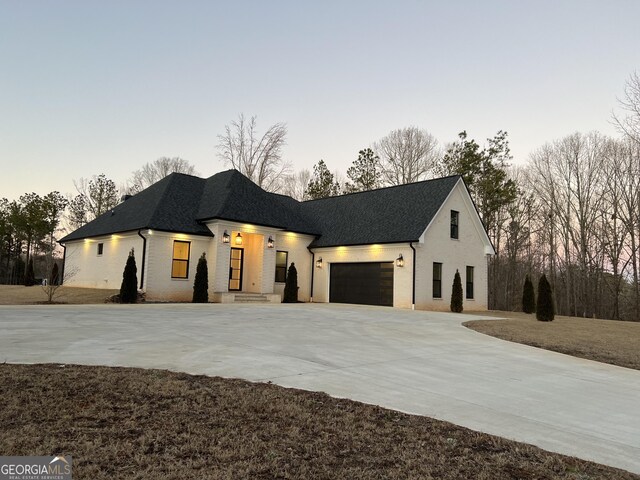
(93, 87)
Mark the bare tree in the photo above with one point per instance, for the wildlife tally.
(295, 185)
(258, 157)
(630, 124)
(407, 155)
(96, 196)
(151, 172)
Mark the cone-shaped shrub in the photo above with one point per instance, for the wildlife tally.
(129, 287)
(291, 285)
(528, 296)
(201, 282)
(29, 276)
(55, 276)
(456, 294)
(545, 311)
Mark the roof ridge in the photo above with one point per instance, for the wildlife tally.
(382, 188)
(170, 180)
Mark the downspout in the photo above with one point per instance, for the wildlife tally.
(64, 261)
(144, 255)
(413, 288)
(313, 264)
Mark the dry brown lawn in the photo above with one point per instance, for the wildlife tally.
(151, 424)
(21, 295)
(607, 341)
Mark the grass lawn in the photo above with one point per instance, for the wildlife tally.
(21, 295)
(607, 341)
(152, 424)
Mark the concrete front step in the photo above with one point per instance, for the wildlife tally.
(231, 297)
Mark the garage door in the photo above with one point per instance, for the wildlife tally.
(364, 283)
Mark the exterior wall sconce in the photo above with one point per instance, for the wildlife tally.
(319, 263)
(270, 242)
(238, 239)
(225, 237)
(400, 261)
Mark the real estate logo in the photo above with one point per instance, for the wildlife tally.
(56, 467)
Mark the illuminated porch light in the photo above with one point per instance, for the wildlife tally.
(319, 263)
(238, 239)
(225, 237)
(400, 261)
(270, 242)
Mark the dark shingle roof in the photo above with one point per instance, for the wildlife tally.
(181, 203)
(386, 215)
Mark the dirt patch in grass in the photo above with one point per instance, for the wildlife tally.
(153, 424)
(607, 341)
(21, 295)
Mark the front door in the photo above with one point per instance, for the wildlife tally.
(235, 269)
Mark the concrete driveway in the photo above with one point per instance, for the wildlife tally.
(418, 362)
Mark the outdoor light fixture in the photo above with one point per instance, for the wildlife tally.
(225, 237)
(400, 261)
(238, 239)
(270, 242)
(319, 263)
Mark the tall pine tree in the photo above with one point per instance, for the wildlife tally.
(29, 276)
(322, 184)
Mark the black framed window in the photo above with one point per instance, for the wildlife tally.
(455, 217)
(180, 262)
(470, 283)
(437, 280)
(100, 248)
(281, 266)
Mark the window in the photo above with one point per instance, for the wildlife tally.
(281, 266)
(454, 223)
(100, 248)
(470, 283)
(180, 263)
(437, 280)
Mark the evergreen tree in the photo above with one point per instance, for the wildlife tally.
(291, 285)
(322, 184)
(365, 173)
(29, 277)
(456, 294)
(201, 282)
(528, 296)
(55, 275)
(129, 287)
(545, 311)
(17, 272)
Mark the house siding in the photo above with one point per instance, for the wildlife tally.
(295, 245)
(85, 268)
(467, 250)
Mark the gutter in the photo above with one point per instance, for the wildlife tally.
(313, 264)
(144, 254)
(413, 273)
(64, 261)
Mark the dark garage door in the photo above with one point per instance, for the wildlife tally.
(363, 283)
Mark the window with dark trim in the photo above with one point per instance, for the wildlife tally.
(180, 262)
(437, 280)
(470, 283)
(455, 216)
(100, 248)
(281, 266)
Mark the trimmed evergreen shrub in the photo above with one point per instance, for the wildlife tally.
(129, 287)
(55, 275)
(456, 294)
(528, 296)
(201, 282)
(545, 311)
(291, 285)
(29, 276)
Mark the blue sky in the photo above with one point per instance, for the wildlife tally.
(94, 87)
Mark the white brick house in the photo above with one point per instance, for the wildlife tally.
(398, 246)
